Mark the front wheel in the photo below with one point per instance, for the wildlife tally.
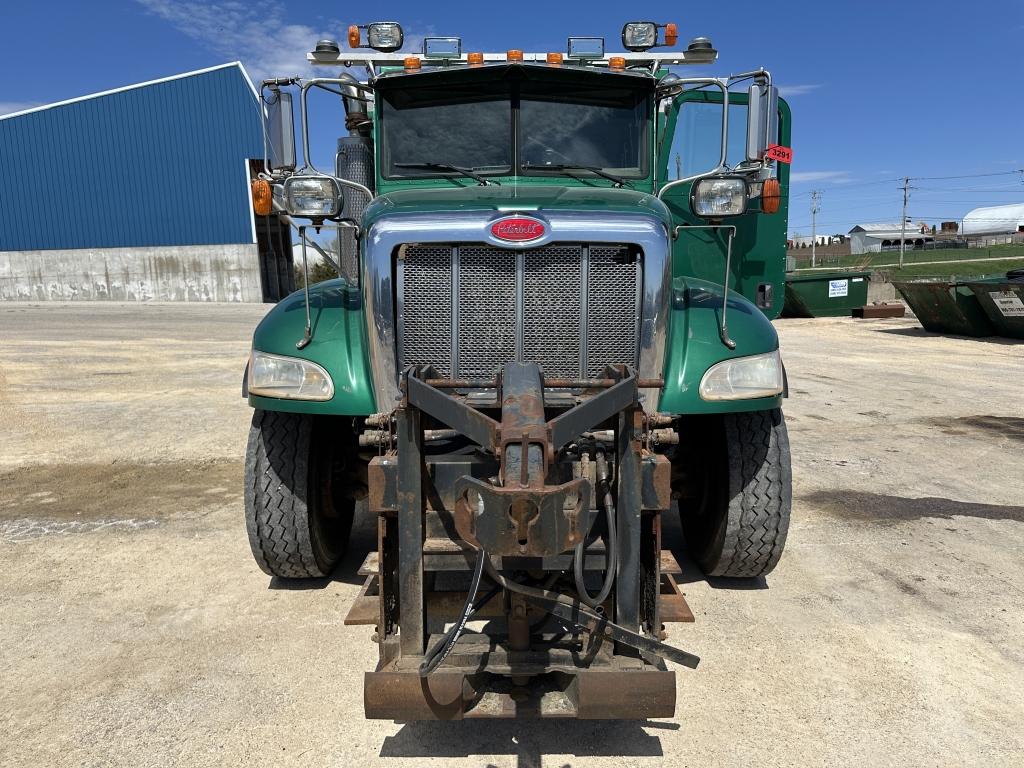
(737, 522)
(297, 512)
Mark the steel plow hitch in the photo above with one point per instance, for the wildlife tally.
(527, 522)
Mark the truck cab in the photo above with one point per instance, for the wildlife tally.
(551, 326)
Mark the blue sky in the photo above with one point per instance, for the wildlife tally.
(879, 90)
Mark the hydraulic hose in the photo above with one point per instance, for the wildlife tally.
(610, 551)
(444, 646)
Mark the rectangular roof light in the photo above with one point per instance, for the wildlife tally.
(442, 47)
(586, 48)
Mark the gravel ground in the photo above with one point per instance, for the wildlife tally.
(137, 629)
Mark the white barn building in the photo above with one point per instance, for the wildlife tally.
(873, 238)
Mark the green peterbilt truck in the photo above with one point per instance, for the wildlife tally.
(551, 325)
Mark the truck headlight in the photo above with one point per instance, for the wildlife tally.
(385, 36)
(312, 197)
(717, 197)
(288, 378)
(639, 35)
(743, 378)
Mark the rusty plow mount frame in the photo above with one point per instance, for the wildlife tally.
(505, 486)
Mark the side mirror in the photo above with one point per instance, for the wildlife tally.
(762, 120)
(280, 130)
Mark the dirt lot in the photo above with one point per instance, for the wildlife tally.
(137, 630)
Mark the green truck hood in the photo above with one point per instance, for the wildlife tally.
(514, 198)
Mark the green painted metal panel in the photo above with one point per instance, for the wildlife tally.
(339, 345)
(694, 346)
(759, 246)
(1003, 302)
(825, 294)
(945, 307)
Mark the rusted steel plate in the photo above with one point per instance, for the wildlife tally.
(872, 311)
(672, 605)
(594, 694)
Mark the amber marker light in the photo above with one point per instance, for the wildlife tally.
(474, 59)
(771, 196)
(671, 33)
(353, 36)
(262, 197)
(412, 63)
(555, 59)
(616, 63)
(514, 55)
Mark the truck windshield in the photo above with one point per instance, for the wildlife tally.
(504, 127)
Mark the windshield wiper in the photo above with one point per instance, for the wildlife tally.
(447, 167)
(568, 167)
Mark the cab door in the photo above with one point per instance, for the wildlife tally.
(689, 144)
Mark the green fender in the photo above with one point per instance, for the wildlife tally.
(694, 346)
(339, 345)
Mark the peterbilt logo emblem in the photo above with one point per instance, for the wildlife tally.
(518, 229)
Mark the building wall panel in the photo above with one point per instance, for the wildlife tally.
(158, 165)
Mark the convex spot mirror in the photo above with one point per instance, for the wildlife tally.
(280, 130)
(762, 120)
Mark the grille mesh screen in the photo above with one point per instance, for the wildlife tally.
(427, 308)
(487, 310)
(612, 314)
(551, 309)
(483, 282)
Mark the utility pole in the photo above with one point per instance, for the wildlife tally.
(903, 219)
(815, 207)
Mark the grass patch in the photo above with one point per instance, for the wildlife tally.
(873, 260)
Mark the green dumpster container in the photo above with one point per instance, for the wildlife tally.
(1003, 302)
(945, 307)
(825, 294)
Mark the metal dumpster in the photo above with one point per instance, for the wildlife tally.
(825, 294)
(942, 306)
(1003, 302)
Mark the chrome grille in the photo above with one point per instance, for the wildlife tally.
(467, 309)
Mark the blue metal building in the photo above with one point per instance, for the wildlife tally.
(139, 193)
(162, 163)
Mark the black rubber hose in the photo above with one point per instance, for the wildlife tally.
(444, 646)
(610, 551)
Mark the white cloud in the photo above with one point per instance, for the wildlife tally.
(836, 177)
(256, 33)
(788, 91)
(7, 107)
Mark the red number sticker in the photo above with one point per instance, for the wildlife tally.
(780, 153)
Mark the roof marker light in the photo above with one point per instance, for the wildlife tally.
(555, 59)
(514, 54)
(475, 59)
(671, 33)
(616, 63)
(411, 63)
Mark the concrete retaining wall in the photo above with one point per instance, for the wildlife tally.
(163, 273)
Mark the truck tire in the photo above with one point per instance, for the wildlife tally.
(298, 521)
(739, 524)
